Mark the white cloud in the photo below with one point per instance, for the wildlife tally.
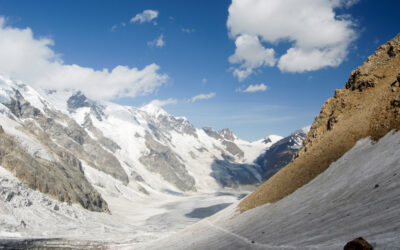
(202, 97)
(242, 74)
(253, 88)
(158, 42)
(312, 28)
(32, 60)
(145, 16)
(204, 80)
(162, 103)
(251, 54)
(188, 31)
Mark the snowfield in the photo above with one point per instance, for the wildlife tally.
(358, 195)
(28, 214)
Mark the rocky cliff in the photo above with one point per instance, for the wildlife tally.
(368, 105)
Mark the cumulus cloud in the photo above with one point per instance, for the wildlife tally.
(253, 88)
(33, 60)
(202, 97)
(250, 54)
(318, 37)
(162, 103)
(158, 42)
(145, 16)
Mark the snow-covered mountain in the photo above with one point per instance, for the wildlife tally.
(64, 140)
(281, 153)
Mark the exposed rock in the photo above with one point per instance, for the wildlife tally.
(61, 180)
(143, 190)
(104, 141)
(10, 196)
(371, 111)
(212, 133)
(280, 153)
(162, 160)
(79, 100)
(396, 101)
(227, 134)
(358, 244)
(360, 81)
(233, 148)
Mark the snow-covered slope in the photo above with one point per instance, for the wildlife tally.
(149, 136)
(146, 169)
(144, 149)
(358, 195)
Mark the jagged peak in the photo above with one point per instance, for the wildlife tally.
(227, 134)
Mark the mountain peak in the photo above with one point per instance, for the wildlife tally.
(153, 110)
(227, 134)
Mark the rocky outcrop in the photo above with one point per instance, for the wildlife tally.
(227, 134)
(79, 100)
(366, 106)
(162, 160)
(65, 142)
(62, 179)
(212, 133)
(72, 137)
(226, 137)
(358, 244)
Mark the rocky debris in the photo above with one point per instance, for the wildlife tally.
(349, 116)
(162, 160)
(358, 244)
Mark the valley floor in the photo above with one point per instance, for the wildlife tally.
(30, 218)
(358, 195)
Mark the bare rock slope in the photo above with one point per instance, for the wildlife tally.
(369, 105)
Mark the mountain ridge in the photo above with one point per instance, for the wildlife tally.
(366, 106)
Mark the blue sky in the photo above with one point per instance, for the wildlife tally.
(193, 57)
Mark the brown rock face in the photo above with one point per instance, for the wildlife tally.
(358, 244)
(368, 105)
